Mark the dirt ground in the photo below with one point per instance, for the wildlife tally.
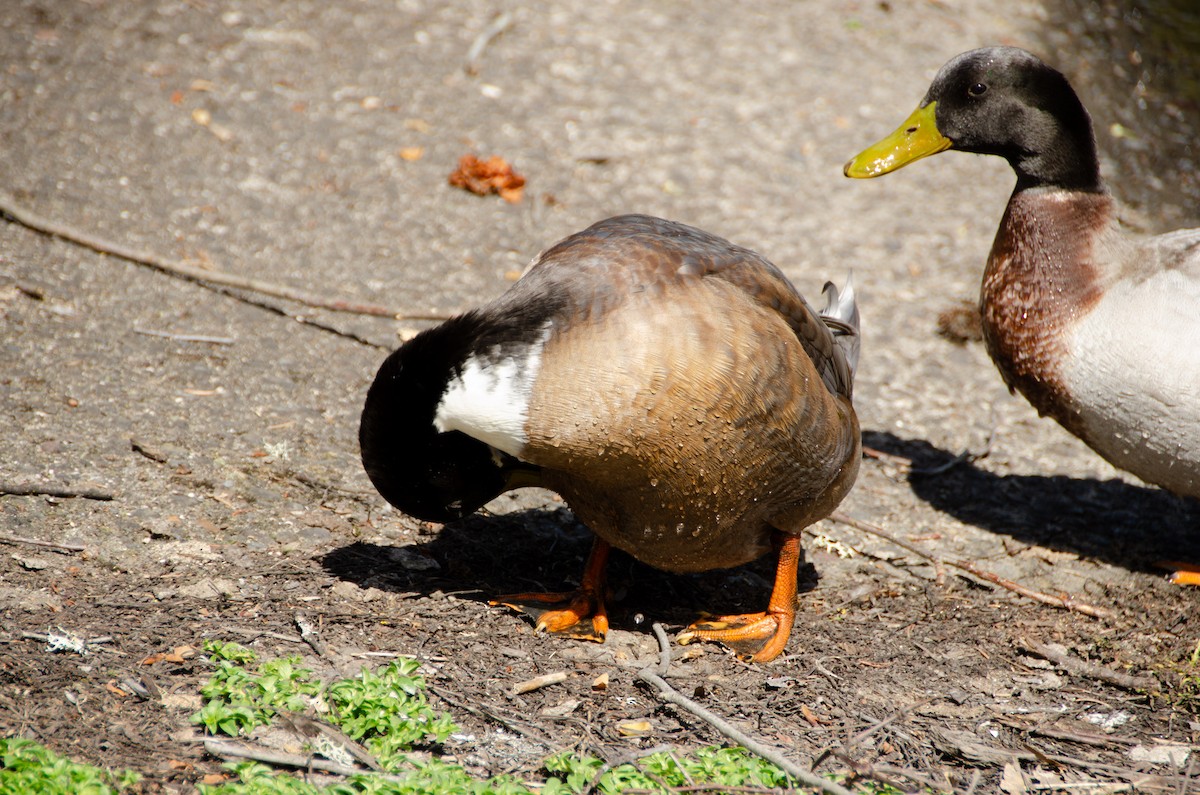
(308, 144)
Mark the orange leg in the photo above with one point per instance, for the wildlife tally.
(568, 613)
(765, 634)
(1181, 573)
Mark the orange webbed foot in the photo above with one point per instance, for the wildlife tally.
(762, 636)
(759, 636)
(576, 614)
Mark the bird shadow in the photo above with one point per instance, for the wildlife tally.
(543, 550)
(1108, 520)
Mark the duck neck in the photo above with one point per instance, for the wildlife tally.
(1064, 155)
(1041, 277)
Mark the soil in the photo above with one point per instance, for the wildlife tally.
(309, 144)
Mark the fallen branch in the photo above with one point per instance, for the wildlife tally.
(669, 694)
(230, 750)
(33, 490)
(1061, 602)
(34, 542)
(1077, 667)
(301, 319)
(30, 220)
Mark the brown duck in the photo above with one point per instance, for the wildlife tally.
(675, 389)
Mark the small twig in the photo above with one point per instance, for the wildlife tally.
(966, 456)
(29, 219)
(34, 542)
(308, 633)
(485, 37)
(1083, 738)
(876, 530)
(671, 695)
(184, 337)
(883, 773)
(877, 725)
(262, 633)
(1079, 667)
(304, 320)
(230, 750)
(87, 641)
(147, 452)
(1063, 602)
(536, 682)
(34, 490)
(492, 715)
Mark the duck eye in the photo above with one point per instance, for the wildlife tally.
(977, 89)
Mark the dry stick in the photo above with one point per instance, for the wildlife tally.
(34, 542)
(866, 527)
(32, 490)
(227, 750)
(494, 29)
(490, 714)
(10, 208)
(1091, 670)
(1063, 602)
(301, 319)
(539, 681)
(185, 337)
(671, 695)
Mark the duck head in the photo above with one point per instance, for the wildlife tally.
(432, 474)
(996, 101)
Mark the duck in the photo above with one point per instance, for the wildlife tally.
(682, 397)
(1095, 325)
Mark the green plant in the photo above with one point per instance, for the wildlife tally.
(387, 711)
(237, 699)
(27, 767)
(728, 767)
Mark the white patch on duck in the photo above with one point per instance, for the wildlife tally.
(489, 398)
(1131, 370)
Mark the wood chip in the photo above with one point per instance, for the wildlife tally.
(635, 728)
(539, 681)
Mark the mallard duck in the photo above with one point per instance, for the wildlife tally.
(1096, 327)
(688, 404)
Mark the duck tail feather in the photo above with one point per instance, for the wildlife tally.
(841, 315)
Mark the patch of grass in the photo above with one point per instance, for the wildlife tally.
(238, 699)
(387, 711)
(727, 767)
(26, 767)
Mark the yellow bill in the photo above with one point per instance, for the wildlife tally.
(917, 137)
